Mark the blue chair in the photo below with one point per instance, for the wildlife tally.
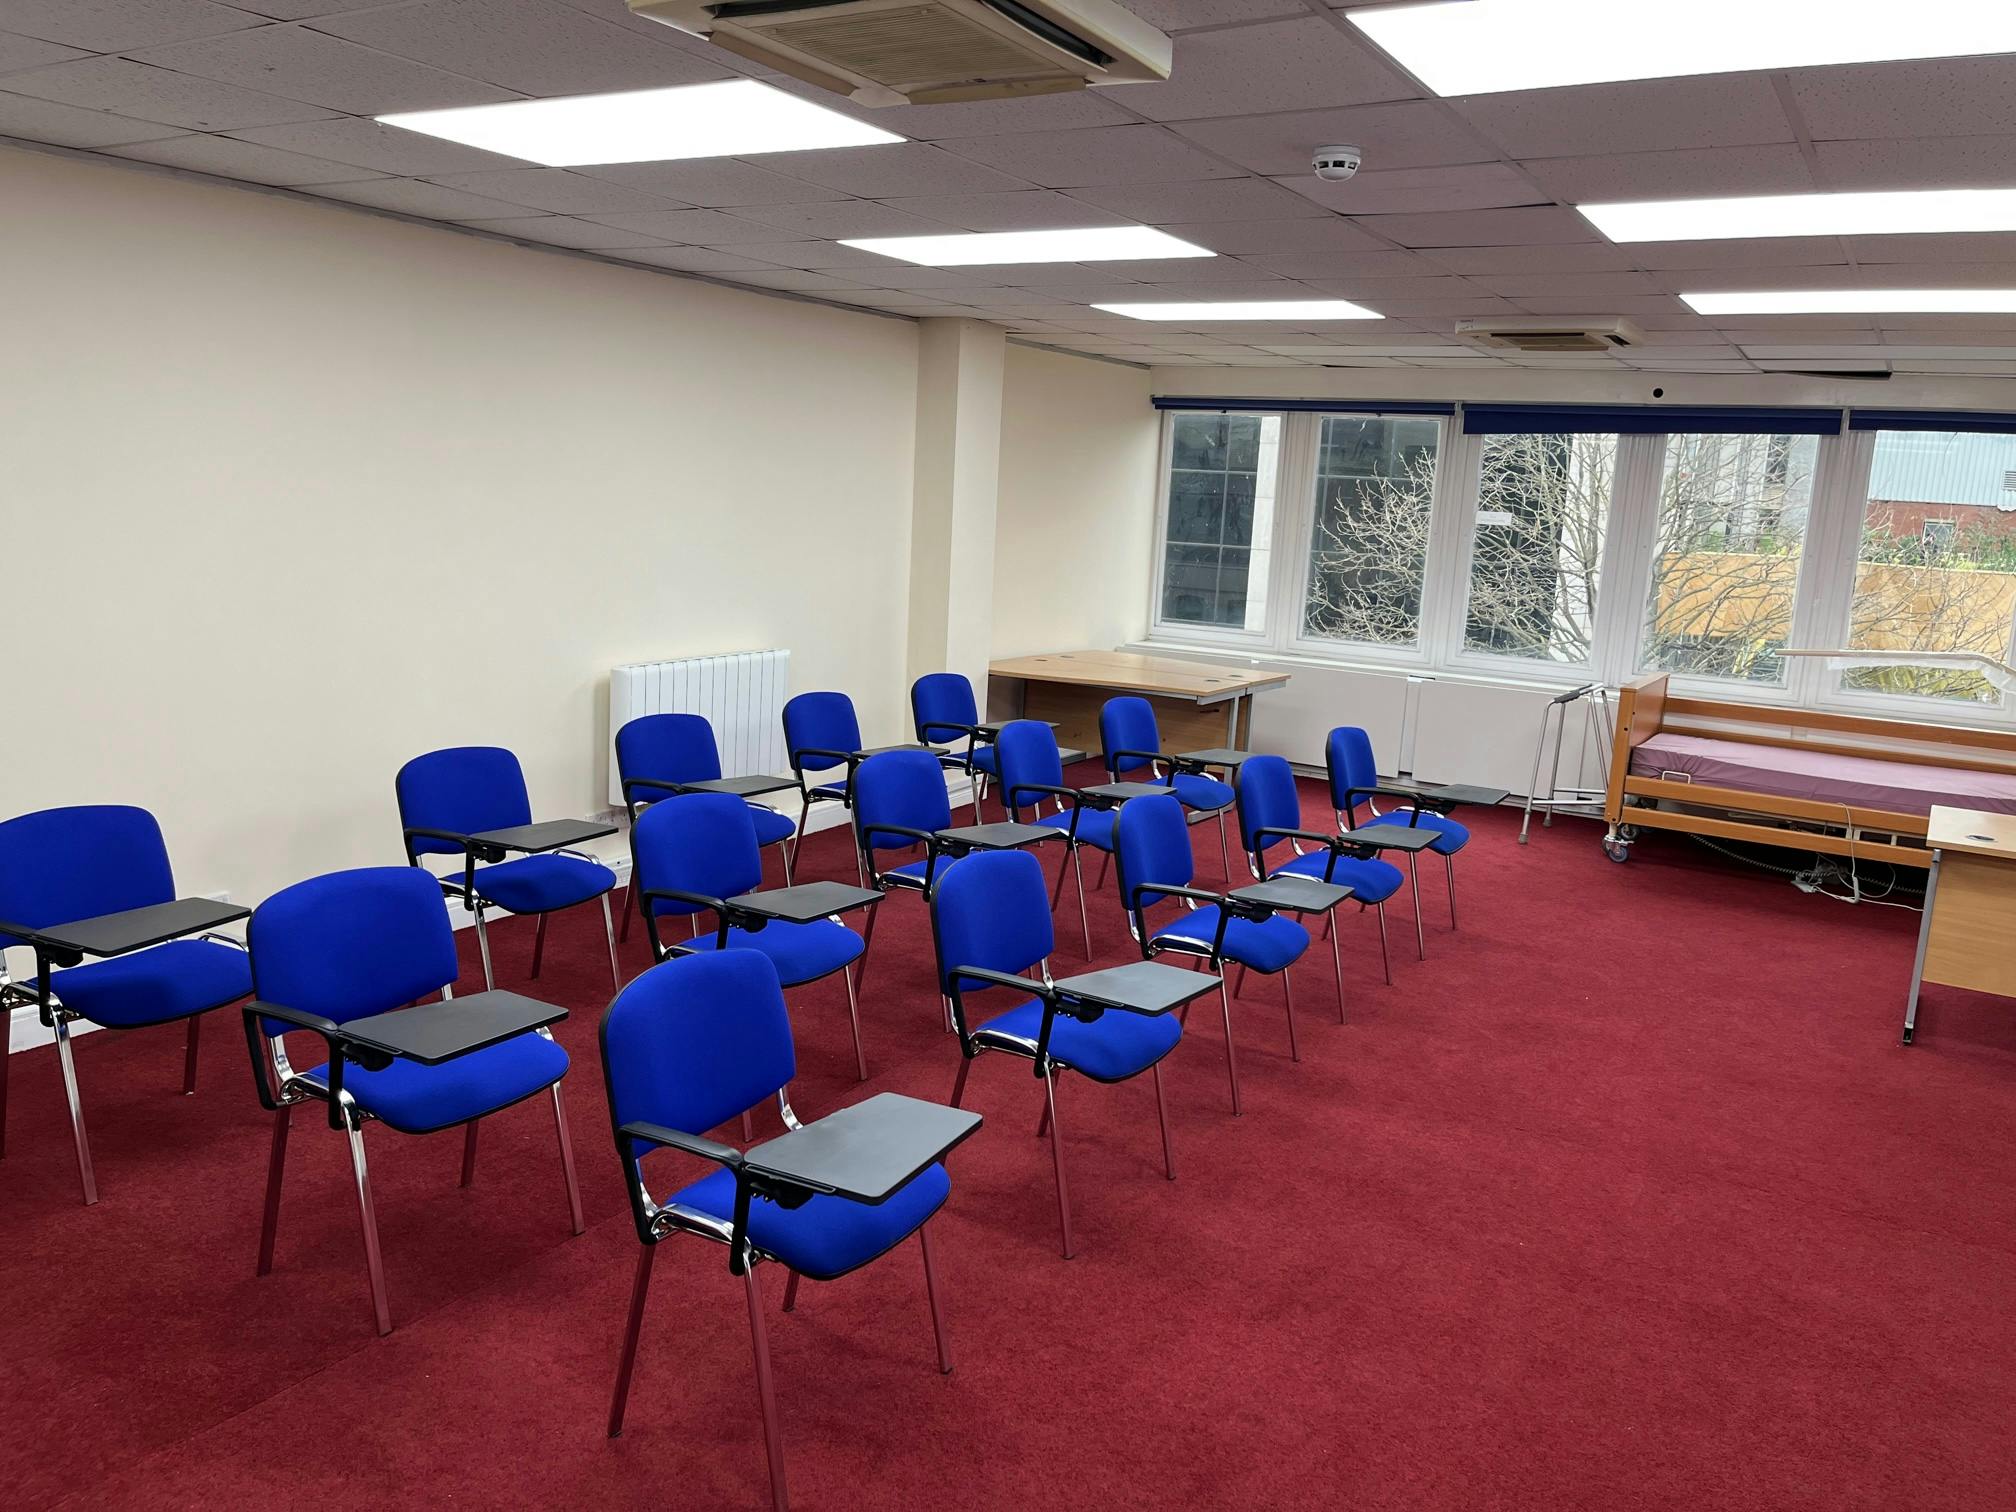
(1270, 813)
(351, 945)
(821, 732)
(447, 796)
(944, 711)
(989, 925)
(62, 865)
(687, 1046)
(690, 855)
(900, 803)
(1132, 747)
(1032, 771)
(1354, 781)
(1156, 867)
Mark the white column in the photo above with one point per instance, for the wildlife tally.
(958, 469)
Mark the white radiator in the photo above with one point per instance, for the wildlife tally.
(741, 693)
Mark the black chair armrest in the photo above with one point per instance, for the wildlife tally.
(677, 1139)
(848, 759)
(296, 1018)
(922, 837)
(1299, 834)
(1383, 790)
(331, 1034)
(999, 979)
(1114, 758)
(1012, 802)
(454, 837)
(1169, 890)
(658, 784)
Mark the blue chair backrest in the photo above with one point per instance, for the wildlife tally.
(63, 864)
(943, 695)
(900, 787)
(992, 910)
(1268, 799)
(1128, 724)
(1348, 755)
(464, 789)
(667, 748)
(699, 843)
(820, 721)
(696, 1040)
(1026, 751)
(352, 943)
(1153, 846)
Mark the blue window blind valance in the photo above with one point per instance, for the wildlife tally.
(1307, 406)
(1980, 421)
(1646, 420)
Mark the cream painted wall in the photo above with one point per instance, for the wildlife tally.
(1076, 513)
(292, 494)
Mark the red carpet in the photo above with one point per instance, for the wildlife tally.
(1625, 1198)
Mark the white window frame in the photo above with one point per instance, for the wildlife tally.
(1215, 635)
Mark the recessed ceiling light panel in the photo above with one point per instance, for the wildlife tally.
(735, 118)
(1087, 244)
(1907, 210)
(1857, 302)
(1247, 309)
(1482, 46)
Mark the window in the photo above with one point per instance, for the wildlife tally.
(1542, 507)
(1732, 514)
(1368, 548)
(1935, 569)
(1220, 525)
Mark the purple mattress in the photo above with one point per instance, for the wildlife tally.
(1904, 787)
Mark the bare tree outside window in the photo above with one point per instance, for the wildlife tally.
(1543, 505)
(1368, 553)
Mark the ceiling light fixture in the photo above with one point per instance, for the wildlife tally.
(1246, 309)
(1857, 302)
(1904, 210)
(1086, 244)
(1483, 46)
(735, 118)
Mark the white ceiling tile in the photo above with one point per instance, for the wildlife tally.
(68, 126)
(1175, 291)
(1663, 339)
(159, 94)
(713, 182)
(1537, 225)
(1778, 169)
(306, 65)
(555, 190)
(18, 52)
(1238, 199)
(1600, 304)
(1282, 65)
(1074, 282)
(1944, 325)
(1880, 276)
(1321, 233)
(800, 280)
(1345, 272)
(302, 10)
(1645, 115)
(1097, 155)
(1176, 15)
(115, 25)
(1936, 97)
(230, 158)
(1978, 162)
(1415, 134)
(976, 118)
(707, 228)
(1994, 368)
(838, 218)
(1022, 210)
(1020, 300)
(1343, 264)
(905, 168)
(414, 197)
(532, 46)
(1766, 252)
(894, 299)
(1720, 365)
(384, 149)
(819, 256)
(1467, 186)
(1398, 307)
(1807, 351)
(1182, 270)
(695, 260)
(1845, 331)
(899, 276)
(565, 231)
(1595, 257)
(1524, 285)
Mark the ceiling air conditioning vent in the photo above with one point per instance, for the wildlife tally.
(1552, 334)
(926, 52)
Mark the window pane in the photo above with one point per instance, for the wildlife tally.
(1732, 522)
(1220, 519)
(1368, 550)
(1542, 509)
(1937, 566)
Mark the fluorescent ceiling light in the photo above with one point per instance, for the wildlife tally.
(1902, 210)
(1247, 309)
(1482, 46)
(1088, 244)
(1858, 302)
(736, 118)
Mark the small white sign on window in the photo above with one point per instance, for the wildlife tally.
(1494, 517)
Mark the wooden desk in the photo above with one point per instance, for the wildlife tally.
(1196, 703)
(1967, 937)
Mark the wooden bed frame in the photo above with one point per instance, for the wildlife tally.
(1645, 707)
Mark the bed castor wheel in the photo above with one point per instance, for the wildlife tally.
(1617, 850)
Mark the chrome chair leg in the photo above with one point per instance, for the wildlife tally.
(868, 941)
(1084, 919)
(748, 1128)
(1239, 987)
(566, 1161)
(609, 934)
(469, 1153)
(632, 903)
(1231, 1060)
(959, 1081)
(1056, 1160)
(1337, 966)
(189, 1055)
(854, 1021)
(944, 1339)
(1449, 867)
(798, 839)
(68, 1064)
(791, 1291)
(483, 949)
(538, 945)
(276, 1168)
(1057, 892)
(374, 1262)
(626, 1359)
(1288, 997)
(766, 1393)
(1385, 955)
(5, 980)
(1224, 851)
(1162, 1113)
(1414, 881)
(1043, 1119)
(784, 855)
(1105, 861)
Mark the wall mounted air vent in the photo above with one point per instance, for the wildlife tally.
(1552, 333)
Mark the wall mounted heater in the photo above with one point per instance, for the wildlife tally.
(742, 694)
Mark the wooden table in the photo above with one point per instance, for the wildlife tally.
(1967, 937)
(1196, 703)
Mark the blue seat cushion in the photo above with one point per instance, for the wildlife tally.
(1111, 1048)
(800, 952)
(1267, 945)
(771, 826)
(984, 760)
(1205, 794)
(827, 1236)
(916, 869)
(417, 1099)
(540, 884)
(1370, 879)
(1095, 826)
(1452, 837)
(831, 790)
(153, 986)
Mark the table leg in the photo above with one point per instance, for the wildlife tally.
(1918, 962)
